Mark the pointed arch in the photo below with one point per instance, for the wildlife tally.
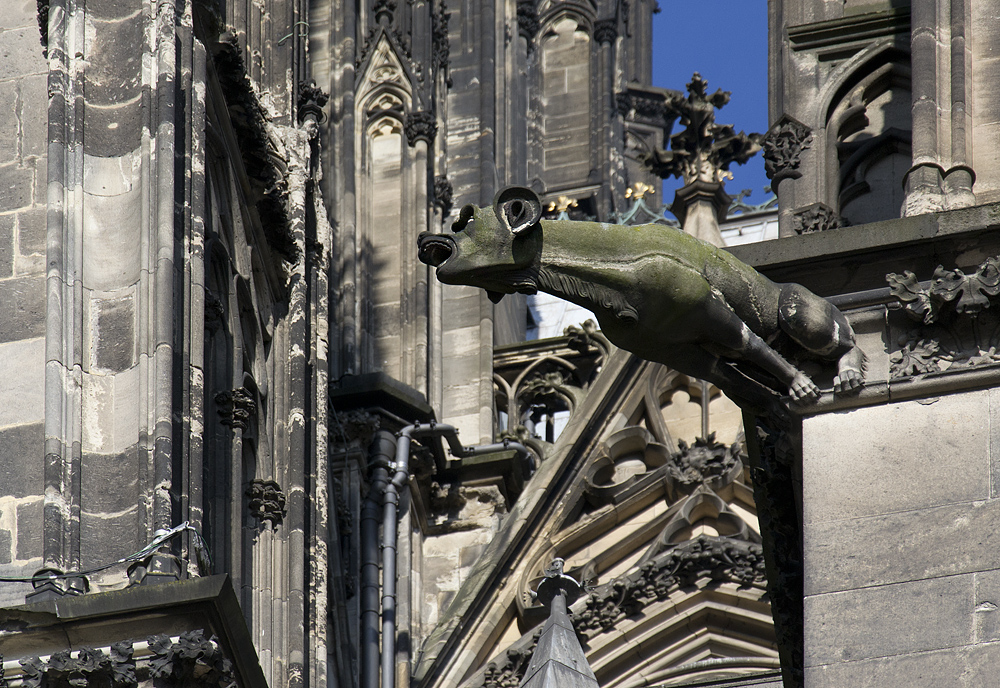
(867, 125)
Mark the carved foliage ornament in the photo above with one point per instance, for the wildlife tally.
(420, 126)
(443, 194)
(606, 31)
(950, 291)
(946, 341)
(782, 149)
(262, 158)
(527, 20)
(719, 559)
(236, 408)
(191, 660)
(817, 217)
(267, 501)
(703, 462)
(508, 673)
(440, 47)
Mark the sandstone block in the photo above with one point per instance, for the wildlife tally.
(897, 457)
(903, 546)
(896, 619)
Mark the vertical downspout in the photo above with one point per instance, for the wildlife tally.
(390, 522)
(380, 457)
(390, 519)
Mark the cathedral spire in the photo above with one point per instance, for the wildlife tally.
(558, 660)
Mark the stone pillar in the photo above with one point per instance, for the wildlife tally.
(701, 207)
(110, 308)
(900, 496)
(940, 177)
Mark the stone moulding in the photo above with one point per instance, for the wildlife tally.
(958, 327)
(773, 457)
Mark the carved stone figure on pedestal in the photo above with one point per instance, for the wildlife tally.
(662, 294)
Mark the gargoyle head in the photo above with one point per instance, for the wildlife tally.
(495, 248)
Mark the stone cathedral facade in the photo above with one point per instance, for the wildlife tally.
(216, 335)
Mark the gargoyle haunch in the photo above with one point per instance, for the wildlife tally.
(657, 292)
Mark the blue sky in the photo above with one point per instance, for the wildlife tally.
(726, 41)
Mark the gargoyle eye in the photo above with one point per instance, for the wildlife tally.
(515, 213)
(464, 217)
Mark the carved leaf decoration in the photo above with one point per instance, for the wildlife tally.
(971, 291)
(34, 672)
(916, 357)
(915, 299)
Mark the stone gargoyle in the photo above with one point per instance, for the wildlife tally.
(657, 292)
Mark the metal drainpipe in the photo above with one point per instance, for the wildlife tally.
(390, 522)
(380, 457)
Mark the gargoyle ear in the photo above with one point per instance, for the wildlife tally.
(518, 208)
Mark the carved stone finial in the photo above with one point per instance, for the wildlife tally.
(704, 150)
(606, 31)
(267, 501)
(420, 126)
(782, 149)
(556, 581)
(817, 217)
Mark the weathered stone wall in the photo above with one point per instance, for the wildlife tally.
(23, 76)
(902, 579)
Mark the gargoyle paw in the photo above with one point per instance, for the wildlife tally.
(803, 389)
(847, 382)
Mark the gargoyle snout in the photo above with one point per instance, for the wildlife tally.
(434, 249)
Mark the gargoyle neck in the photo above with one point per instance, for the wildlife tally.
(585, 280)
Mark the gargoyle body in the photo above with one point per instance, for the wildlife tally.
(657, 292)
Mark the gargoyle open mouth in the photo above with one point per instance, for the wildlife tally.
(434, 249)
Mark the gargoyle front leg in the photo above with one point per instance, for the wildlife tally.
(746, 392)
(728, 332)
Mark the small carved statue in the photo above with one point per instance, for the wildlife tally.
(657, 292)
